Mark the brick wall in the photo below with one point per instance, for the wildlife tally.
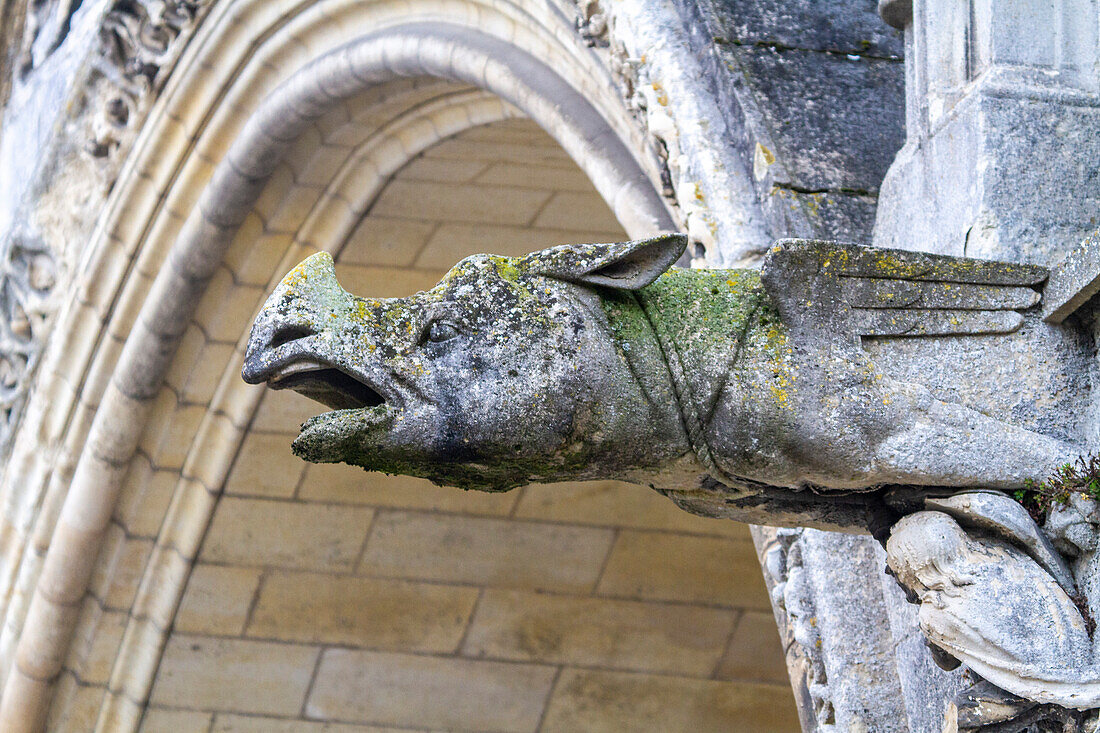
(328, 599)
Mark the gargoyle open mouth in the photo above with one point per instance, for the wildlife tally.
(327, 385)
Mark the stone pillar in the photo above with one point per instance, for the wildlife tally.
(1002, 156)
(1001, 161)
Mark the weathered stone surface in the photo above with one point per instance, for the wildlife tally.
(788, 78)
(1074, 281)
(584, 362)
(837, 613)
(840, 26)
(988, 604)
(796, 93)
(1005, 176)
(847, 215)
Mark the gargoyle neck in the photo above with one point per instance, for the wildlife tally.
(700, 319)
(646, 392)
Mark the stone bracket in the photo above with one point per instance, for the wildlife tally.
(1073, 282)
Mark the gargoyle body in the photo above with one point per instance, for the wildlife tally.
(738, 393)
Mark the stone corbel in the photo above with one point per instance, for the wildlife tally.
(995, 595)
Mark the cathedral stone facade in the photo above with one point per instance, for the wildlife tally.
(167, 564)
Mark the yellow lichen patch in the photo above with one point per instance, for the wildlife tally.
(779, 358)
(662, 96)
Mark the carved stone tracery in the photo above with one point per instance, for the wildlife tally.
(137, 40)
(27, 279)
(138, 43)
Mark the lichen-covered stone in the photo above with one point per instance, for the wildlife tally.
(739, 393)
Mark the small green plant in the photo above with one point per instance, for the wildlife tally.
(1081, 477)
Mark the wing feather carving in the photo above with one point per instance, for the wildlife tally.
(852, 291)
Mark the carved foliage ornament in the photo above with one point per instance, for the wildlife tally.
(137, 40)
(26, 281)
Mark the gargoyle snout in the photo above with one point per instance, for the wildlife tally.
(302, 306)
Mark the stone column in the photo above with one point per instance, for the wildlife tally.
(1001, 161)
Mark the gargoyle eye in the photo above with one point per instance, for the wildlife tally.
(440, 331)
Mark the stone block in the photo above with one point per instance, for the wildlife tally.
(522, 131)
(226, 309)
(796, 93)
(754, 652)
(452, 241)
(339, 483)
(385, 282)
(846, 216)
(209, 367)
(826, 25)
(217, 600)
(1008, 175)
(265, 466)
(431, 692)
(173, 428)
(458, 202)
(577, 212)
(81, 710)
(618, 504)
(145, 498)
(122, 573)
(677, 567)
(596, 632)
(379, 240)
(481, 550)
(234, 675)
(1074, 281)
(284, 412)
(597, 701)
(286, 212)
(96, 646)
(253, 261)
(370, 612)
(286, 534)
(442, 170)
(549, 177)
(512, 152)
(161, 720)
(256, 724)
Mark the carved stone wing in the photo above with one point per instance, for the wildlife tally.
(844, 291)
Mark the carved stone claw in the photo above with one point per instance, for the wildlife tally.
(985, 704)
(997, 513)
(990, 604)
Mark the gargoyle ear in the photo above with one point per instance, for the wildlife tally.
(623, 265)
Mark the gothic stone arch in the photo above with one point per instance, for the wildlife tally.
(273, 114)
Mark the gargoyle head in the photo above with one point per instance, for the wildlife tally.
(506, 372)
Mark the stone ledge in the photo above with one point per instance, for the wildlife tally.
(1073, 282)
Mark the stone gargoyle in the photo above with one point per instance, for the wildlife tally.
(737, 393)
